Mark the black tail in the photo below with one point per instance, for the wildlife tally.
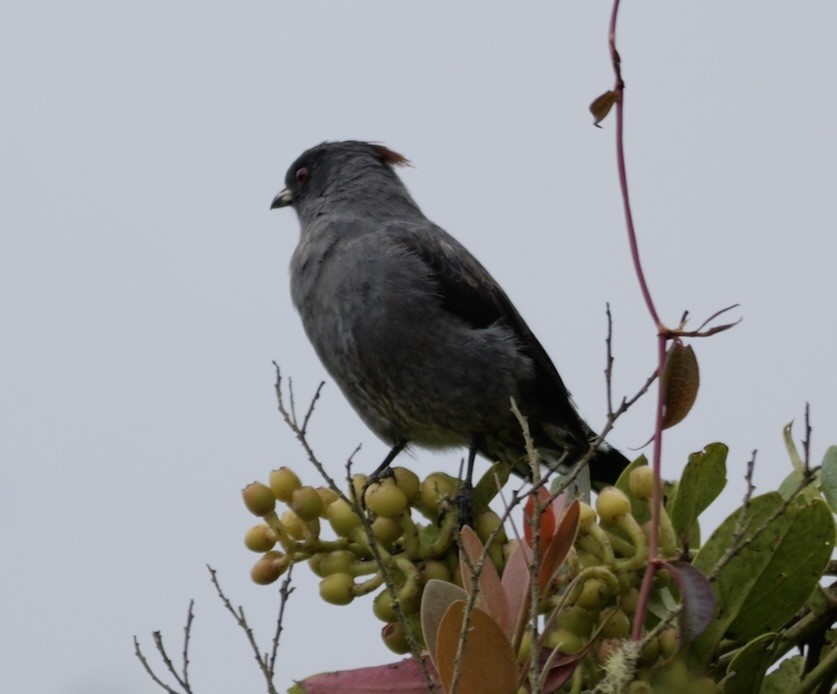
(606, 466)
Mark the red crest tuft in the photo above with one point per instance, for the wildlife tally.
(387, 156)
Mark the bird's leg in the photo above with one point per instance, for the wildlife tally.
(384, 466)
(465, 498)
(381, 470)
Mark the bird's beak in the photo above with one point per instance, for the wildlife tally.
(282, 199)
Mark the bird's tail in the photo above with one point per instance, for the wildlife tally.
(606, 466)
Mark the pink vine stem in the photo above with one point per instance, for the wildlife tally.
(663, 334)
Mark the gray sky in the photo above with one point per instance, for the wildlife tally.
(144, 289)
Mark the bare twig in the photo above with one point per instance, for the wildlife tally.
(290, 419)
(284, 594)
(181, 678)
(609, 366)
(158, 643)
(265, 663)
(310, 411)
(748, 478)
(138, 652)
(187, 634)
(806, 442)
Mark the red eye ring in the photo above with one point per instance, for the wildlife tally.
(302, 175)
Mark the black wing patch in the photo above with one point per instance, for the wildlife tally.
(471, 293)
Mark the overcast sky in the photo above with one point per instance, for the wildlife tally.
(144, 287)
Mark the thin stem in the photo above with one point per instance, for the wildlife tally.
(619, 90)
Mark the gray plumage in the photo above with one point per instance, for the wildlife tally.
(422, 341)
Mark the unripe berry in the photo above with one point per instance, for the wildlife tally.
(358, 482)
(628, 600)
(395, 638)
(617, 626)
(576, 619)
(386, 530)
(385, 499)
(337, 589)
(259, 538)
(314, 563)
(675, 676)
(641, 482)
(408, 482)
(669, 642)
(327, 494)
(436, 487)
(627, 580)
(650, 653)
(383, 606)
(342, 517)
(433, 568)
(525, 647)
(565, 641)
(639, 687)
(306, 503)
(594, 594)
(586, 515)
(258, 499)
(486, 523)
(268, 569)
(337, 562)
(662, 579)
(612, 503)
(293, 524)
(283, 482)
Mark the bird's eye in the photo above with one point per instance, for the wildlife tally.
(302, 175)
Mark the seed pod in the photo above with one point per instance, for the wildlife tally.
(680, 382)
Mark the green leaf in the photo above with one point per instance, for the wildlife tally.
(770, 577)
(785, 678)
(703, 479)
(828, 477)
(790, 485)
(746, 670)
(793, 453)
(489, 486)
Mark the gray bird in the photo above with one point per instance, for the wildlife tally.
(422, 341)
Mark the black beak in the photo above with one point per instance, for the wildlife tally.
(282, 199)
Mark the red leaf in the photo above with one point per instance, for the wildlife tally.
(491, 597)
(547, 520)
(559, 545)
(516, 583)
(404, 676)
(697, 595)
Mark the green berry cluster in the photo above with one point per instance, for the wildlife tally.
(596, 595)
(412, 523)
(392, 536)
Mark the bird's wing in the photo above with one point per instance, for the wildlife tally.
(468, 291)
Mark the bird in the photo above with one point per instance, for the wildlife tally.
(421, 339)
